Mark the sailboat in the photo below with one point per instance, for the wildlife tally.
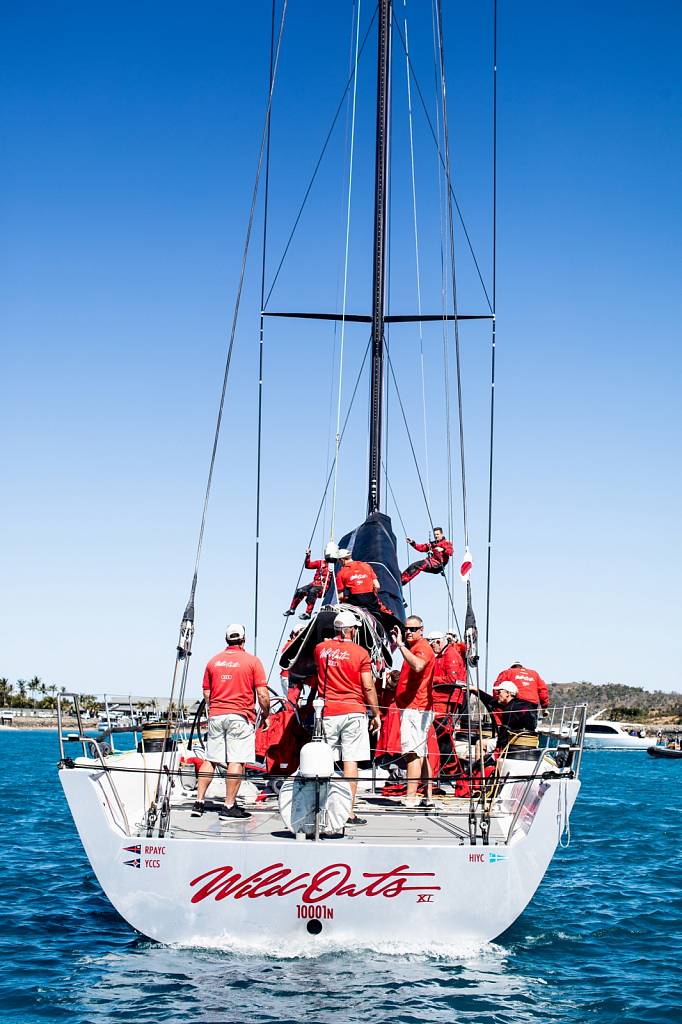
(294, 874)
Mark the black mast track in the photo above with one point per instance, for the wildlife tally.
(379, 276)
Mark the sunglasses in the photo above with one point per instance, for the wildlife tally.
(413, 629)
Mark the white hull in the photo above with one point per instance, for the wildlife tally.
(234, 888)
(617, 742)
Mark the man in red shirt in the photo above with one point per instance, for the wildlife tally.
(318, 586)
(357, 584)
(414, 698)
(529, 685)
(449, 675)
(232, 681)
(439, 552)
(344, 674)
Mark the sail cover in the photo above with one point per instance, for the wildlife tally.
(374, 542)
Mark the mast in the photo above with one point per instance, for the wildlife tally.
(379, 275)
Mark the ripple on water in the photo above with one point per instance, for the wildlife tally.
(599, 942)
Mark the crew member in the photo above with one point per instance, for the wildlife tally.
(529, 685)
(448, 696)
(345, 681)
(439, 552)
(232, 681)
(357, 584)
(318, 586)
(510, 714)
(292, 691)
(414, 698)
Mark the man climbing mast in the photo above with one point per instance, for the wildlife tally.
(318, 586)
(439, 552)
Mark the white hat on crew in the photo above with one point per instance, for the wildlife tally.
(345, 620)
(508, 686)
(235, 631)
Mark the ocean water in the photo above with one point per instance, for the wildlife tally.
(600, 943)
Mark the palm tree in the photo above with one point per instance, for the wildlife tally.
(5, 690)
(90, 704)
(21, 687)
(34, 687)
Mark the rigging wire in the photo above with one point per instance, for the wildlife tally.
(444, 295)
(492, 353)
(416, 464)
(451, 225)
(317, 165)
(187, 626)
(442, 160)
(332, 363)
(261, 345)
(326, 488)
(240, 288)
(345, 272)
(416, 253)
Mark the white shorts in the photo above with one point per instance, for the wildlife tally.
(231, 739)
(349, 734)
(414, 730)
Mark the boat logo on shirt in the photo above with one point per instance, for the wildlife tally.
(334, 654)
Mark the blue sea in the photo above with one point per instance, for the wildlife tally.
(601, 941)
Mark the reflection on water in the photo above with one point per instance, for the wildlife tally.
(599, 942)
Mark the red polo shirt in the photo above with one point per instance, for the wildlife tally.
(529, 684)
(448, 670)
(415, 689)
(340, 663)
(230, 682)
(357, 578)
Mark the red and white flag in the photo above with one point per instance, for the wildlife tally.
(467, 565)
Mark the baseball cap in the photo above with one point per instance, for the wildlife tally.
(436, 635)
(344, 620)
(508, 686)
(344, 553)
(235, 631)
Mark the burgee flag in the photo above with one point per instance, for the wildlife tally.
(466, 566)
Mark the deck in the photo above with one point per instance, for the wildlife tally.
(387, 823)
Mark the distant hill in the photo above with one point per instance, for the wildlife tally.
(624, 703)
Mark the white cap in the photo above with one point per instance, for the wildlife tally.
(508, 686)
(344, 553)
(436, 635)
(345, 620)
(235, 631)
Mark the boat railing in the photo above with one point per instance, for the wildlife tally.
(493, 807)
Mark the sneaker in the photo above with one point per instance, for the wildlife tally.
(427, 803)
(305, 615)
(198, 809)
(356, 820)
(235, 811)
(412, 801)
(289, 611)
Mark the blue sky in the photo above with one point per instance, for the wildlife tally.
(131, 140)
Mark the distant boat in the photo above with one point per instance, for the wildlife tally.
(663, 749)
(603, 734)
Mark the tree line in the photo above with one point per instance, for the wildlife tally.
(34, 693)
